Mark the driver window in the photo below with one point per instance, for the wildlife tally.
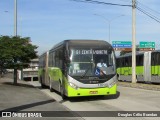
(101, 63)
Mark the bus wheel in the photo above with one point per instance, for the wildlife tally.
(50, 87)
(62, 92)
(117, 76)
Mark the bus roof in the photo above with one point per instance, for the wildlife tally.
(130, 54)
(44, 53)
(83, 42)
(137, 53)
(156, 51)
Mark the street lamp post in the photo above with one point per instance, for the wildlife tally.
(15, 34)
(109, 24)
(15, 17)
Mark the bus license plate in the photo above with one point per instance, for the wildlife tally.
(93, 92)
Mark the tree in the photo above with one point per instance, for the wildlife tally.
(16, 53)
(124, 52)
(5, 56)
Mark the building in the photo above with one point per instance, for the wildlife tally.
(31, 72)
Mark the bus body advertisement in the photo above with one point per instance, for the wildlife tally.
(79, 68)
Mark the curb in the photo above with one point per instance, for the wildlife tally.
(145, 86)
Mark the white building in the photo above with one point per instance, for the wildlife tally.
(31, 72)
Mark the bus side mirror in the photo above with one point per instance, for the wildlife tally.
(109, 51)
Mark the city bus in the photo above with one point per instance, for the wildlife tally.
(71, 68)
(147, 67)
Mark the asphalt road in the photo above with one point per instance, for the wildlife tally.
(130, 99)
(25, 97)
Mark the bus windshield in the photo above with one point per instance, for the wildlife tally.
(91, 62)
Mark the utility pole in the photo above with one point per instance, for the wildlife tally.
(134, 41)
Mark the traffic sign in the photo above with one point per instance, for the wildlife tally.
(146, 49)
(122, 45)
(146, 44)
(123, 49)
(121, 42)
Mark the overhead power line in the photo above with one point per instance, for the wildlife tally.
(100, 2)
(149, 15)
(138, 7)
(129, 1)
(146, 7)
(148, 11)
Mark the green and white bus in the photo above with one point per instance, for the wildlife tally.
(70, 67)
(147, 67)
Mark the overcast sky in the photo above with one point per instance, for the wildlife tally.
(48, 22)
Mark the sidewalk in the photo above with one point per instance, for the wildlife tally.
(25, 97)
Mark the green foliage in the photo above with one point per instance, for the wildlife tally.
(16, 52)
(124, 52)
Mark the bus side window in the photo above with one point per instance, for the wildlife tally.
(153, 59)
(130, 61)
(141, 60)
(53, 59)
(123, 62)
(61, 58)
(126, 62)
(117, 62)
(137, 60)
(50, 59)
(158, 58)
(56, 59)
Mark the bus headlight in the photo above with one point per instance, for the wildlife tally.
(73, 85)
(112, 84)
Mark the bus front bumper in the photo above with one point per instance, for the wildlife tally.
(71, 92)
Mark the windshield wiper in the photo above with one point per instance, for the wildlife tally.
(87, 70)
